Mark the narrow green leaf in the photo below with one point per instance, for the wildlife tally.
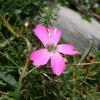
(8, 78)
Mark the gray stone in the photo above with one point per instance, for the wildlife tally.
(76, 30)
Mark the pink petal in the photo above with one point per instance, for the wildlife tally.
(40, 57)
(55, 34)
(57, 64)
(67, 49)
(42, 33)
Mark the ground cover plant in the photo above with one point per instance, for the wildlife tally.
(22, 80)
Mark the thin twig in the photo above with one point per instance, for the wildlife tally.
(83, 64)
(96, 15)
(51, 78)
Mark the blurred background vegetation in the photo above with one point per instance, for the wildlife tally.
(19, 79)
(87, 8)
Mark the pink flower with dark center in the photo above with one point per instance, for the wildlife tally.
(50, 38)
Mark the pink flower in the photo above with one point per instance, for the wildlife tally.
(50, 38)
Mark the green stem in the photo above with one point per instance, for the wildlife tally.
(7, 41)
(9, 58)
(20, 80)
(8, 26)
(30, 71)
(87, 52)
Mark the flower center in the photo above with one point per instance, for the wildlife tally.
(51, 48)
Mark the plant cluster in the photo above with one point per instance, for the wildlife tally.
(19, 79)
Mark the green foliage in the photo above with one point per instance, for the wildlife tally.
(8, 79)
(19, 79)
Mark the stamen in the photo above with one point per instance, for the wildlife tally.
(51, 48)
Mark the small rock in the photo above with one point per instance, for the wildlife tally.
(77, 30)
